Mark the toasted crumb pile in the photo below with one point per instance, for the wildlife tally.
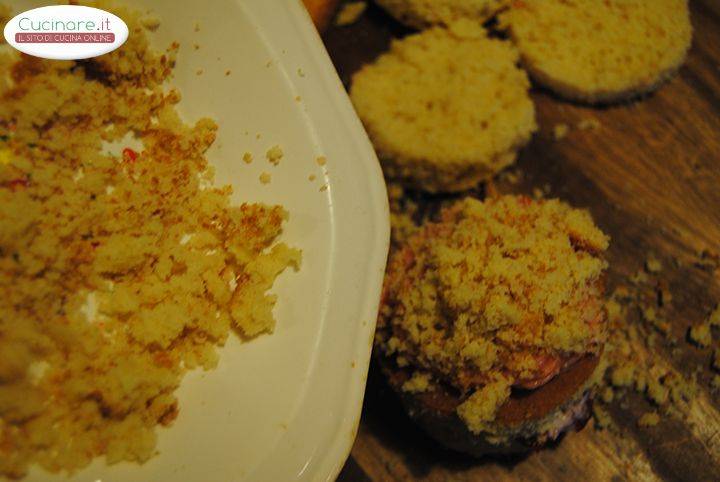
(424, 13)
(495, 294)
(600, 51)
(118, 273)
(445, 108)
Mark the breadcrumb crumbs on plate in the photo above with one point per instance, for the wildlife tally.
(321, 160)
(172, 268)
(311, 177)
(247, 157)
(350, 13)
(274, 155)
(265, 178)
(323, 188)
(649, 419)
(228, 72)
(150, 23)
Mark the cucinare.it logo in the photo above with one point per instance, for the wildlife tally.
(66, 32)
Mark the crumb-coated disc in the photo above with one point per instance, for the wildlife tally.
(445, 108)
(600, 51)
(424, 13)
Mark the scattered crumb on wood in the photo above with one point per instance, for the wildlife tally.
(247, 157)
(298, 98)
(657, 392)
(265, 178)
(197, 27)
(714, 318)
(300, 72)
(311, 177)
(700, 334)
(350, 13)
(512, 177)
(199, 72)
(274, 155)
(323, 188)
(560, 130)
(649, 419)
(639, 278)
(716, 359)
(196, 46)
(258, 136)
(653, 264)
(227, 72)
(589, 123)
(321, 160)
(715, 383)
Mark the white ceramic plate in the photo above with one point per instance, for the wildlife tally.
(286, 406)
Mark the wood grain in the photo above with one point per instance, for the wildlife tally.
(650, 175)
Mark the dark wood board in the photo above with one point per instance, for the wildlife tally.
(650, 175)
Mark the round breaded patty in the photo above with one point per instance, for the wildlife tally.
(424, 13)
(593, 51)
(445, 108)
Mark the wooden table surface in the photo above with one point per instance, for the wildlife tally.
(650, 175)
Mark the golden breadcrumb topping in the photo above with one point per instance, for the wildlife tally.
(445, 108)
(478, 411)
(118, 272)
(649, 419)
(501, 291)
(600, 50)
